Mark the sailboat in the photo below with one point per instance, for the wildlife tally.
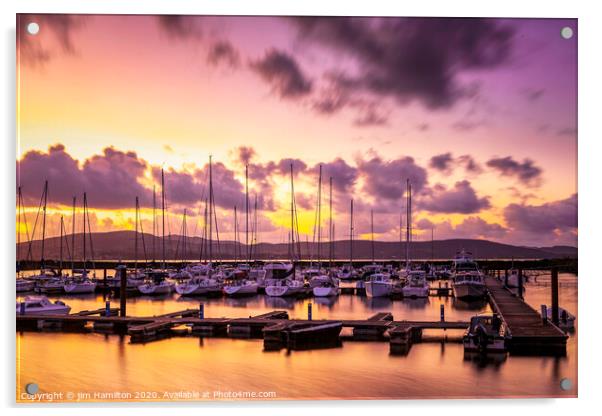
(80, 284)
(378, 284)
(157, 283)
(416, 285)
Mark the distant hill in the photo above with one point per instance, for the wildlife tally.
(119, 245)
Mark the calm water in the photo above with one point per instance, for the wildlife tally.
(211, 368)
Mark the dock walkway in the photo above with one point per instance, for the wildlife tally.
(528, 332)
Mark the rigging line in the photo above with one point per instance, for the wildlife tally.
(35, 225)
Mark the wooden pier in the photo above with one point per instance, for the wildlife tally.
(275, 328)
(528, 333)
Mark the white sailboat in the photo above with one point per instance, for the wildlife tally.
(244, 287)
(284, 287)
(40, 305)
(199, 286)
(79, 286)
(327, 288)
(24, 285)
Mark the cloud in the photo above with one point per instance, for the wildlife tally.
(112, 179)
(222, 52)
(411, 59)
(461, 199)
(546, 218)
(56, 29)
(567, 131)
(526, 172)
(179, 27)
(343, 175)
(385, 179)
(283, 73)
(470, 227)
(244, 154)
(533, 94)
(441, 162)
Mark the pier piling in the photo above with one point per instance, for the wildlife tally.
(442, 307)
(201, 311)
(108, 308)
(555, 296)
(122, 270)
(309, 311)
(521, 288)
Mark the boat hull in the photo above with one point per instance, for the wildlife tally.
(155, 289)
(326, 291)
(242, 290)
(415, 292)
(54, 311)
(378, 289)
(469, 291)
(79, 288)
(24, 286)
(281, 291)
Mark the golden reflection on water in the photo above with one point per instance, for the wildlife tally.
(93, 362)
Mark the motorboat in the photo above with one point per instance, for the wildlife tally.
(378, 285)
(24, 285)
(241, 287)
(486, 334)
(416, 285)
(566, 320)
(513, 276)
(284, 287)
(278, 270)
(467, 280)
(40, 305)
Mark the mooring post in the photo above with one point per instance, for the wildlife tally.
(104, 279)
(506, 277)
(544, 313)
(22, 308)
(108, 308)
(555, 295)
(442, 308)
(122, 271)
(520, 283)
(201, 311)
(309, 311)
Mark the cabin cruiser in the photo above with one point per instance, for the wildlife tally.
(378, 285)
(157, 285)
(326, 288)
(199, 286)
(467, 279)
(486, 333)
(284, 287)
(24, 285)
(40, 305)
(316, 277)
(416, 285)
(241, 287)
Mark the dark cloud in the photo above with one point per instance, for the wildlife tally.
(470, 165)
(385, 179)
(111, 179)
(244, 154)
(547, 218)
(343, 175)
(283, 73)
(567, 131)
(179, 27)
(56, 29)
(471, 227)
(411, 59)
(533, 94)
(370, 115)
(222, 52)
(526, 172)
(461, 199)
(441, 162)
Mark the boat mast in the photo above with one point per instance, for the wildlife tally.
(210, 211)
(319, 215)
(235, 235)
(247, 250)
(351, 237)
(136, 238)
(292, 217)
(407, 223)
(154, 224)
(61, 247)
(330, 226)
(73, 237)
(44, 224)
(372, 232)
(84, 232)
(163, 216)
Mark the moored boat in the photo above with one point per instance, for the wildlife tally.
(378, 285)
(486, 334)
(40, 305)
(467, 280)
(416, 285)
(284, 287)
(244, 287)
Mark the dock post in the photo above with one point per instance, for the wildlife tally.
(555, 295)
(122, 270)
(442, 308)
(520, 283)
(544, 313)
(104, 279)
(22, 308)
(506, 277)
(309, 311)
(201, 311)
(108, 308)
